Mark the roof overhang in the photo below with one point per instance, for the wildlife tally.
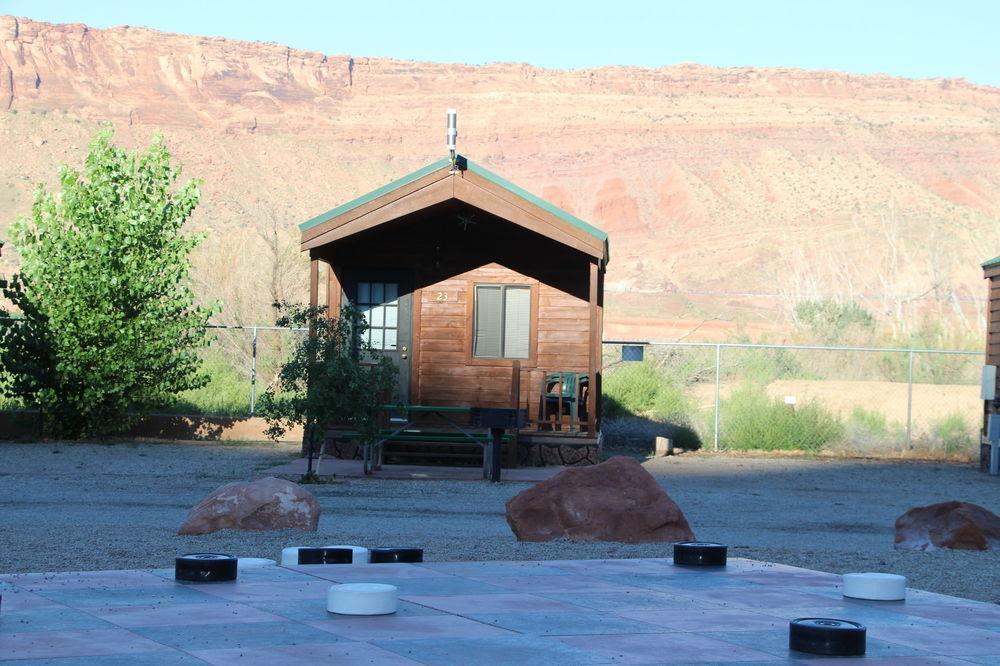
(466, 182)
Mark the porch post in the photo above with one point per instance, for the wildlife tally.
(313, 281)
(595, 350)
(334, 292)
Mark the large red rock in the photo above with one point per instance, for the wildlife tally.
(948, 525)
(617, 500)
(264, 504)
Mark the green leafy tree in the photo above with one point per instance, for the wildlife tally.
(332, 377)
(108, 328)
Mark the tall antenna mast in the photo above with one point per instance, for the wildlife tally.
(452, 134)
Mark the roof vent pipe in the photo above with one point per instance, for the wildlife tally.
(452, 133)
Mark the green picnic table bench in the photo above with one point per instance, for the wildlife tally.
(373, 452)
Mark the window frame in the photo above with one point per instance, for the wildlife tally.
(471, 358)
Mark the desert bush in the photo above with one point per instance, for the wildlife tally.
(953, 434)
(833, 322)
(939, 368)
(227, 392)
(631, 390)
(750, 419)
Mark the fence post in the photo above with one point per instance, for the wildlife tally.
(909, 403)
(253, 371)
(718, 382)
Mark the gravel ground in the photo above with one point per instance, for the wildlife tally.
(92, 506)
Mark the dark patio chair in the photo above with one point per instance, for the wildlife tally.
(564, 393)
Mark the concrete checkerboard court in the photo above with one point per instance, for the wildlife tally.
(520, 613)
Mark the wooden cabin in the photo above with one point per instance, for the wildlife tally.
(482, 293)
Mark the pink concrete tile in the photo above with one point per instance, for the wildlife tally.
(666, 648)
(615, 567)
(342, 653)
(945, 639)
(269, 591)
(342, 573)
(490, 603)
(756, 597)
(87, 643)
(972, 615)
(390, 627)
(21, 600)
(180, 614)
(707, 619)
(542, 584)
(84, 579)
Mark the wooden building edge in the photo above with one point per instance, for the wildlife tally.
(991, 273)
(480, 292)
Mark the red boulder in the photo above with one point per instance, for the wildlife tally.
(948, 525)
(617, 500)
(265, 504)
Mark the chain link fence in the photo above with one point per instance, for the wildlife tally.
(720, 396)
(851, 400)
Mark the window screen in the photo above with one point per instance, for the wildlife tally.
(502, 321)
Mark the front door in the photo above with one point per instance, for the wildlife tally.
(385, 299)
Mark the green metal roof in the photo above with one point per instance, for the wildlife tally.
(476, 169)
(374, 194)
(992, 263)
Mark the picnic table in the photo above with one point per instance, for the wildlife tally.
(403, 419)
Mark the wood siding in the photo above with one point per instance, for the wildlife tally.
(446, 372)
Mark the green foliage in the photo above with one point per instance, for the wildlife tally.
(110, 329)
(750, 419)
(869, 420)
(672, 404)
(953, 434)
(631, 389)
(762, 365)
(332, 377)
(227, 392)
(938, 368)
(830, 322)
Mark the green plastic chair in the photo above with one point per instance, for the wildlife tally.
(565, 387)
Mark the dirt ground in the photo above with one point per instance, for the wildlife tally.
(87, 506)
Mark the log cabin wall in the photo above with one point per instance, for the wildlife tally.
(446, 372)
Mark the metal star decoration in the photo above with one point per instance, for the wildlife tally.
(466, 221)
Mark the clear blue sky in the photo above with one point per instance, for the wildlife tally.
(918, 39)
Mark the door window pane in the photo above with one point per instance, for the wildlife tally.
(377, 318)
(379, 303)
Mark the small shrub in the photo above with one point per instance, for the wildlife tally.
(631, 389)
(671, 404)
(226, 394)
(869, 420)
(751, 419)
(953, 434)
(830, 322)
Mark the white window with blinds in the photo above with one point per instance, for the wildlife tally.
(502, 321)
